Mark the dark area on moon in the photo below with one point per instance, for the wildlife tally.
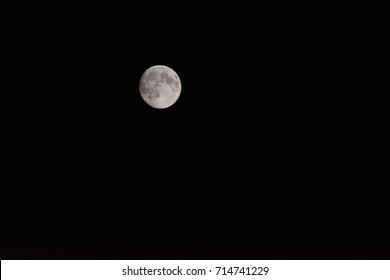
(277, 147)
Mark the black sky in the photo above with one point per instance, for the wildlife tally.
(277, 147)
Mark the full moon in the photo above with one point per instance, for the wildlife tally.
(160, 86)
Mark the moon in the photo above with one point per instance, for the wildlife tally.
(160, 86)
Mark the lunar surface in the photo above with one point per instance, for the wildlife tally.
(160, 86)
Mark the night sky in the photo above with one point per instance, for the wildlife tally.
(276, 149)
